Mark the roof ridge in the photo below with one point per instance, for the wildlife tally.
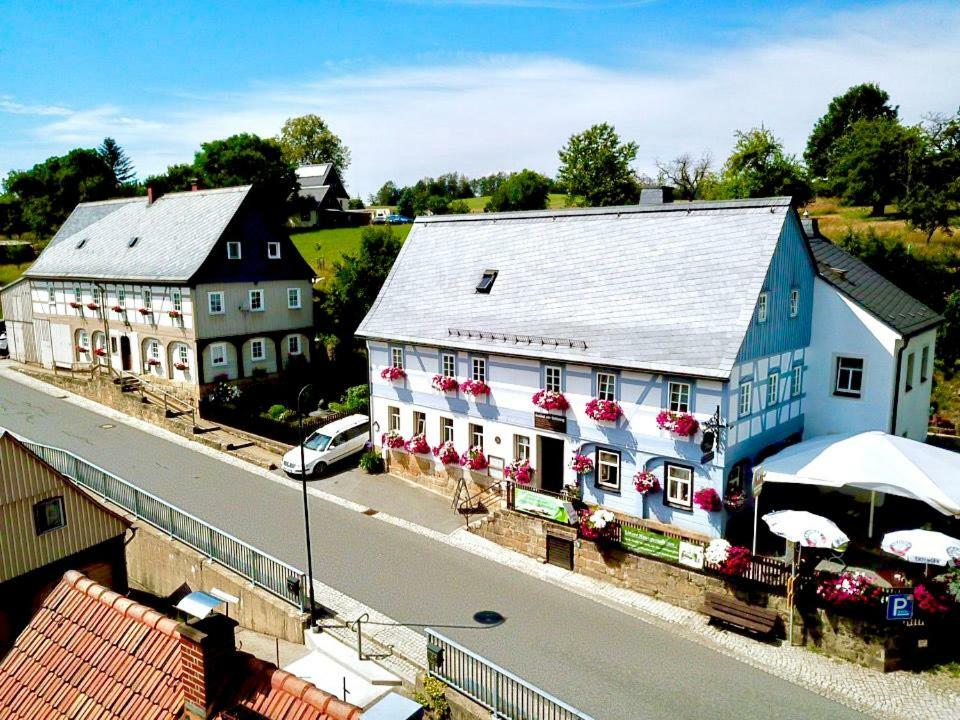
(303, 690)
(121, 604)
(111, 201)
(205, 191)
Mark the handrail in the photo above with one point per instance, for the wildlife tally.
(472, 502)
(157, 393)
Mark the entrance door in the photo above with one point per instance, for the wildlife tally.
(125, 362)
(551, 464)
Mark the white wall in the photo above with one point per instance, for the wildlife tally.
(913, 407)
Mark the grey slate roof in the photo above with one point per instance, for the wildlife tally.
(868, 288)
(313, 175)
(176, 234)
(667, 288)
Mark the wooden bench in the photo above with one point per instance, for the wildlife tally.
(736, 612)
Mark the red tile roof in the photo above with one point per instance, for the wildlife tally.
(91, 654)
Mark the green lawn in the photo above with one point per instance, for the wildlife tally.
(9, 273)
(322, 248)
(476, 204)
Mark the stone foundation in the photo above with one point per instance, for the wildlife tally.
(424, 470)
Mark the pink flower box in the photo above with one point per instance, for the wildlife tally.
(92, 306)
(175, 313)
(737, 563)
(519, 471)
(117, 309)
(447, 453)
(646, 482)
(475, 388)
(180, 366)
(550, 400)
(581, 464)
(442, 383)
(145, 311)
(707, 499)
(392, 440)
(393, 373)
(76, 305)
(604, 410)
(418, 444)
(683, 424)
(474, 459)
(849, 590)
(153, 362)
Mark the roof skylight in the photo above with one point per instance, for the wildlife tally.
(486, 282)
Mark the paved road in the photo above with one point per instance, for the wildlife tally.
(604, 662)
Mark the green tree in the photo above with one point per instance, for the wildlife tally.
(488, 184)
(689, 176)
(117, 159)
(870, 163)
(861, 102)
(177, 178)
(388, 194)
(248, 159)
(355, 204)
(933, 191)
(596, 165)
(948, 335)
(11, 216)
(307, 140)
(758, 167)
(525, 190)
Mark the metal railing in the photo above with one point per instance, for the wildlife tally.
(275, 576)
(505, 695)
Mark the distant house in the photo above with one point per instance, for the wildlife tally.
(324, 201)
(184, 289)
(92, 653)
(48, 525)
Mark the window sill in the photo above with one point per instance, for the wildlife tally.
(852, 396)
(676, 506)
(608, 489)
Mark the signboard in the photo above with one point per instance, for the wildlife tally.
(556, 423)
(691, 555)
(900, 606)
(545, 506)
(650, 543)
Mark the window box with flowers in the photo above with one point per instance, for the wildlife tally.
(597, 524)
(92, 306)
(581, 464)
(938, 598)
(174, 314)
(603, 410)
(728, 560)
(145, 311)
(181, 365)
(646, 482)
(392, 440)
(100, 352)
(474, 459)
(418, 445)
(550, 400)
(682, 424)
(153, 362)
(82, 350)
(444, 383)
(393, 373)
(707, 499)
(447, 453)
(475, 388)
(849, 591)
(76, 305)
(519, 471)
(118, 309)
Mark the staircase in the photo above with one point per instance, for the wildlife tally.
(481, 502)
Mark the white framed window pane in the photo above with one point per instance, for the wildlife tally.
(448, 365)
(233, 251)
(84, 339)
(795, 385)
(476, 436)
(184, 354)
(773, 388)
(419, 422)
(273, 250)
(746, 398)
(521, 447)
(394, 418)
(762, 307)
(396, 357)
(121, 296)
(51, 294)
(218, 354)
(77, 294)
(553, 378)
(608, 468)
(177, 301)
(678, 483)
(95, 295)
(256, 300)
(257, 350)
(794, 303)
(480, 369)
(293, 345)
(679, 397)
(849, 376)
(215, 303)
(606, 386)
(293, 298)
(147, 299)
(446, 429)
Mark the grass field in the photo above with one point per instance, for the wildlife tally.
(476, 204)
(322, 248)
(9, 273)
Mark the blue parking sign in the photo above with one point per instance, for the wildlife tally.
(900, 607)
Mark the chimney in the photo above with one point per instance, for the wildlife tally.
(149, 196)
(656, 194)
(194, 184)
(207, 653)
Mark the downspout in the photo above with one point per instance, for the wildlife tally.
(896, 383)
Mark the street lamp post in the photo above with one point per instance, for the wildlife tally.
(306, 510)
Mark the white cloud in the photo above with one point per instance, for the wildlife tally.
(9, 105)
(508, 112)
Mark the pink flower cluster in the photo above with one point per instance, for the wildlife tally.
(849, 589)
(707, 499)
(735, 501)
(581, 464)
(117, 309)
(604, 410)
(475, 387)
(737, 562)
(646, 482)
(474, 459)
(392, 440)
(519, 471)
(393, 373)
(933, 600)
(153, 362)
(447, 453)
(418, 444)
(92, 306)
(443, 383)
(683, 424)
(550, 400)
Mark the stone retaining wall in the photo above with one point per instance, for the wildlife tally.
(425, 471)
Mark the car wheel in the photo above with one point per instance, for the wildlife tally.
(319, 469)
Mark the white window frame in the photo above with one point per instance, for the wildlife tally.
(393, 418)
(847, 390)
(77, 294)
(121, 296)
(448, 364)
(146, 294)
(763, 307)
(476, 435)
(95, 294)
(183, 353)
(553, 378)
(51, 294)
(674, 478)
(396, 357)
(606, 386)
(83, 339)
(218, 349)
(478, 369)
(521, 447)
(608, 461)
(419, 422)
(794, 302)
(176, 298)
(261, 300)
(446, 429)
(293, 345)
(154, 350)
(255, 357)
(773, 388)
(233, 250)
(924, 364)
(676, 392)
(796, 384)
(745, 400)
(218, 294)
(52, 502)
(273, 250)
(294, 301)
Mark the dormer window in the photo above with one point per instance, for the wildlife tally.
(132, 241)
(486, 282)
(81, 243)
(273, 250)
(233, 251)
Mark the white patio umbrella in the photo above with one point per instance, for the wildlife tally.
(922, 546)
(807, 529)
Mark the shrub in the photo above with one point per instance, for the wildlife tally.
(354, 400)
(276, 412)
(371, 462)
(433, 697)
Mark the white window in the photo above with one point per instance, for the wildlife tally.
(448, 364)
(849, 378)
(925, 364)
(446, 429)
(256, 301)
(155, 349)
(177, 300)
(396, 357)
(794, 303)
(679, 394)
(911, 364)
(393, 413)
(419, 422)
(95, 293)
(233, 251)
(183, 354)
(606, 386)
(553, 378)
(83, 340)
(521, 447)
(678, 481)
(762, 307)
(476, 436)
(796, 385)
(273, 250)
(480, 370)
(51, 294)
(147, 298)
(218, 354)
(215, 303)
(78, 294)
(773, 388)
(293, 298)
(608, 469)
(258, 349)
(121, 296)
(293, 345)
(746, 398)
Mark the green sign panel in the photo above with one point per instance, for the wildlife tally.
(543, 505)
(650, 543)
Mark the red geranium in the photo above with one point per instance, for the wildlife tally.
(550, 400)
(418, 444)
(145, 311)
(100, 352)
(849, 589)
(442, 383)
(933, 600)
(117, 309)
(392, 440)
(646, 482)
(447, 453)
(475, 387)
(519, 471)
(608, 410)
(683, 424)
(92, 306)
(707, 499)
(393, 373)
(474, 459)
(581, 464)
(737, 562)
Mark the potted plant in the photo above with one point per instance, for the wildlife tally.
(393, 373)
(180, 365)
(597, 523)
(153, 362)
(92, 306)
(734, 500)
(371, 462)
(100, 352)
(550, 400)
(447, 453)
(727, 559)
(646, 482)
(175, 314)
(519, 471)
(707, 499)
(604, 410)
(145, 311)
(475, 388)
(418, 445)
(683, 424)
(392, 440)
(474, 459)
(117, 309)
(849, 590)
(581, 464)
(443, 383)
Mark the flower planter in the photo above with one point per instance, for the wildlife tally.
(849, 591)
(707, 499)
(447, 454)
(728, 560)
(734, 501)
(581, 464)
(82, 350)
(474, 388)
(550, 400)
(153, 362)
(118, 310)
(597, 524)
(175, 314)
(418, 445)
(145, 311)
(393, 374)
(603, 410)
(444, 384)
(76, 305)
(392, 440)
(474, 459)
(181, 366)
(646, 482)
(682, 424)
(519, 471)
(100, 352)
(92, 306)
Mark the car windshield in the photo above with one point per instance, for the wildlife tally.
(317, 441)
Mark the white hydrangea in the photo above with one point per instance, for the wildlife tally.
(717, 551)
(600, 518)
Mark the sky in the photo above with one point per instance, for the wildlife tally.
(423, 87)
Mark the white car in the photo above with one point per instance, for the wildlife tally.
(3, 344)
(327, 445)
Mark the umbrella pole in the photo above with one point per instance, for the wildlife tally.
(756, 511)
(873, 498)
